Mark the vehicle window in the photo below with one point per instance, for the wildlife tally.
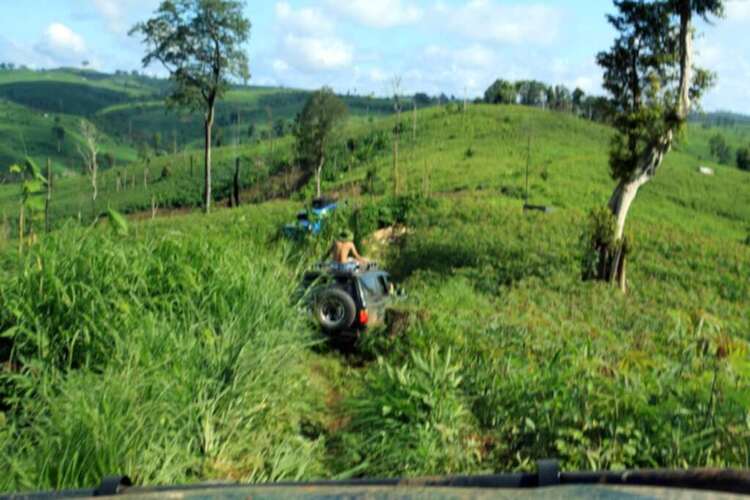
(384, 285)
(373, 286)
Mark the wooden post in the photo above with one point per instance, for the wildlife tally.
(153, 206)
(396, 182)
(48, 201)
(414, 124)
(191, 166)
(5, 227)
(20, 229)
(236, 197)
(145, 178)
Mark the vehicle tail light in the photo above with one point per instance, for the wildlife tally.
(364, 317)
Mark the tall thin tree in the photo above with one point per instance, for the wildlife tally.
(201, 44)
(89, 153)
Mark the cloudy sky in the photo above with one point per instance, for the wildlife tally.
(452, 46)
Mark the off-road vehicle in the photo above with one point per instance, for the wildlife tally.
(311, 220)
(347, 299)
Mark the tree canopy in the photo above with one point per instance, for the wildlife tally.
(643, 72)
(501, 92)
(321, 113)
(200, 43)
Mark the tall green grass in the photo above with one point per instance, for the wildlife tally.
(169, 358)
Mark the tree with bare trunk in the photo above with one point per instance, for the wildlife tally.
(314, 131)
(89, 152)
(653, 85)
(200, 43)
(397, 129)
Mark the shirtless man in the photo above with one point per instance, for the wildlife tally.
(343, 249)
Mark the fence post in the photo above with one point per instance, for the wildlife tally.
(48, 201)
(236, 192)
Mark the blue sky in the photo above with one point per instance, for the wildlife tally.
(452, 46)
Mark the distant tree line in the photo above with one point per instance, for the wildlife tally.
(723, 119)
(722, 152)
(557, 97)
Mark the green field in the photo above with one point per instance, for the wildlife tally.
(175, 353)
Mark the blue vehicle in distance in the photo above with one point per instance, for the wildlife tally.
(311, 221)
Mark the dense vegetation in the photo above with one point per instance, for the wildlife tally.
(174, 353)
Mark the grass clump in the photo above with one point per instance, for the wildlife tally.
(410, 418)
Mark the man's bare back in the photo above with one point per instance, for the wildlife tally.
(341, 251)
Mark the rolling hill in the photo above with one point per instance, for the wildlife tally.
(129, 109)
(174, 352)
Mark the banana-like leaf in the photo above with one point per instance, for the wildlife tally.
(32, 169)
(33, 187)
(35, 203)
(15, 169)
(118, 223)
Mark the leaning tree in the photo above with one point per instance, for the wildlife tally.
(653, 84)
(200, 43)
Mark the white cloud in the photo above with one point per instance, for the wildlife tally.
(490, 21)
(708, 54)
(378, 13)
(377, 75)
(738, 10)
(454, 70)
(305, 20)
(587, 83)
(317, 53)
(308, 42)
(61, 44)
(280, 66)
(118, 14)
(475, 56)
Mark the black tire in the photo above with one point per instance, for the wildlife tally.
(335, 310)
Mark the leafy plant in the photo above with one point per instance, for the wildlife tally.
(31, 200)
(117, 222)
(411, 419)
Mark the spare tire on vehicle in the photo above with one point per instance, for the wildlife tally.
(335, 310)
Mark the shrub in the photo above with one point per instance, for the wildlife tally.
(743, 159)
(516, 192)
(410, 420)
(373, 183)
(599, 236)
(166, 172)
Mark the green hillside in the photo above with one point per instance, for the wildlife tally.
(175, 354)
(27, 132)
(129, 109)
